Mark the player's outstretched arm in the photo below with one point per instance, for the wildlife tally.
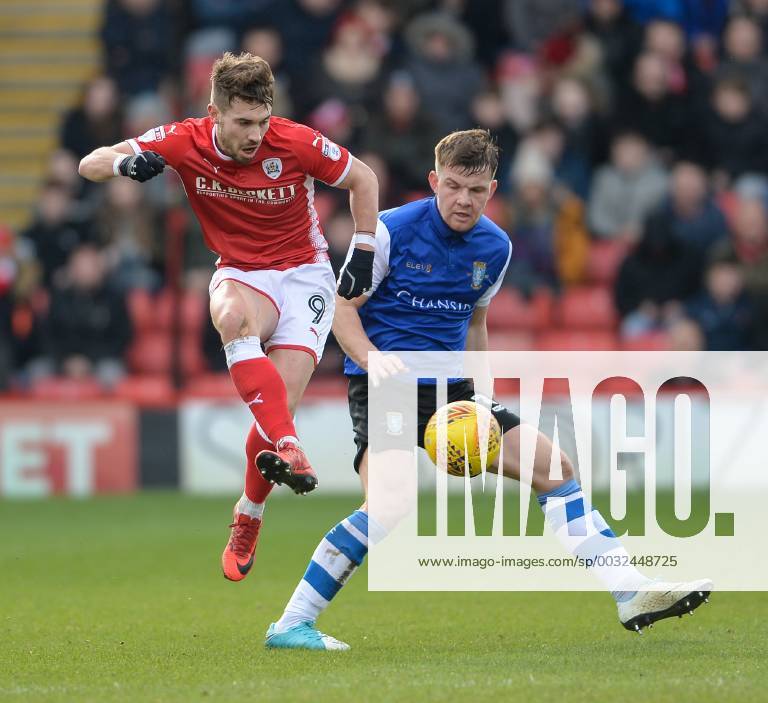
(363, 186)
(477, 332)
(477, 366)
(349, 332)
(352, 338)
(119, 160)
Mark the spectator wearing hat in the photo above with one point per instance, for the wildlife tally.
(444, 70)
(548, 233)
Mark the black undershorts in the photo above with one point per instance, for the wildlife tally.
(427, 405)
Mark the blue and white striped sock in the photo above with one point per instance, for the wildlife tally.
(336, 558)
(583, 531)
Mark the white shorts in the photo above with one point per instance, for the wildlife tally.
(304, 298)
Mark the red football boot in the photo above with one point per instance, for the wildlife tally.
(287, 465)
(237, 559)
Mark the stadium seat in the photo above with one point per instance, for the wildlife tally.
(191, 351)
(413, 195)
(656, 341)
(605, 258)
(323, 388)
(162, 306)
(148, 391)
(153, 313)
(588, 307)
(150, 312)
(61, 388)
(510, 341)
(210, 385)
(577, 340)
(193, 311)
(497, 212)
(140, 310)
(510, 311)
(150, 353)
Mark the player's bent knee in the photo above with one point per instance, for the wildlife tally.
(230, 322)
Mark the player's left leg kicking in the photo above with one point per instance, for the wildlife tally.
(262, 306)
(579, 527)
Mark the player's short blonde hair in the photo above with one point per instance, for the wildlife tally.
(471, 151)
(246, 76)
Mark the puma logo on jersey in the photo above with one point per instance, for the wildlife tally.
(172, 129)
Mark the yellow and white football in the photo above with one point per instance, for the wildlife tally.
(461, 422)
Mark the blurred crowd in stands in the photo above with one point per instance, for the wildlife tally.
(633, 179)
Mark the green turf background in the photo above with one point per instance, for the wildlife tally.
(122, 599)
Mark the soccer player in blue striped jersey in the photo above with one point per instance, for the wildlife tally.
(438, 263)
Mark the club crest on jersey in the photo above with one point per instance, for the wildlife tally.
(272, 168)
(478, 274)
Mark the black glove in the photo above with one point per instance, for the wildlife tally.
(142, 167)
(357, 276)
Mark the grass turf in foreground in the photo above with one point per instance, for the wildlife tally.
(122, 599)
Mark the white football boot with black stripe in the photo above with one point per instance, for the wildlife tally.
(665, 601)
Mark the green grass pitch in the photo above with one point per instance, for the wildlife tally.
(122, 599)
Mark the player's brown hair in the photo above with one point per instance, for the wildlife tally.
(246, 76)
(471, 151)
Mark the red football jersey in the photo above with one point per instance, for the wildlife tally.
(259, 216)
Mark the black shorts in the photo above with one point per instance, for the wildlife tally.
(427, 405)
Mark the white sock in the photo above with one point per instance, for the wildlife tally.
(336, 558)
(584, 533)
(246, 506)
(288, 439)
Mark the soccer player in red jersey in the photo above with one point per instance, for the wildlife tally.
(249, 178)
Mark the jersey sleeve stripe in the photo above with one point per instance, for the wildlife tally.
(485, 299)
(135, 146)
(344, 173)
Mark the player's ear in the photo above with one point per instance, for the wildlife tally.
(213, 112)
(492, 189)
(432, 178)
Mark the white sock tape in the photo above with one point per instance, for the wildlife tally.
(241, 349)
(116, 164)
(365, 238)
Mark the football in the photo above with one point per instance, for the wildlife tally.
(463, 446)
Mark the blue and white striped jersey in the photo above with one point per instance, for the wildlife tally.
(428, 279)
